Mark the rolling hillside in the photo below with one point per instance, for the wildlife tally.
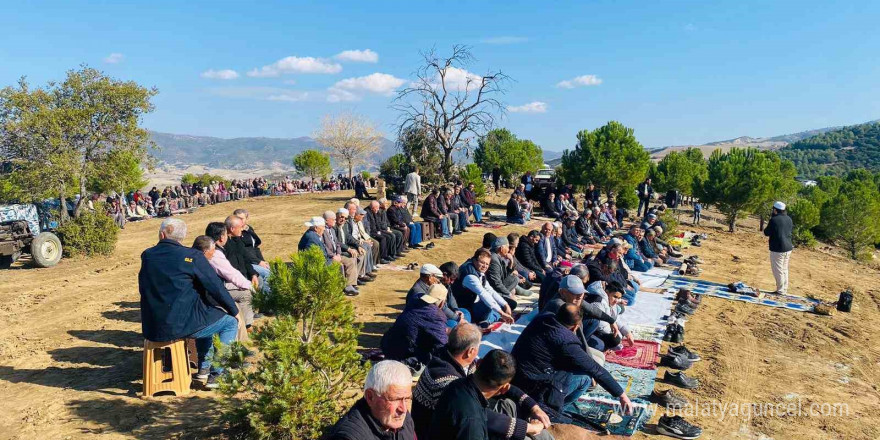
(837, 151)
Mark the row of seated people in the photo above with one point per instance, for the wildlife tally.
(450, 209)
(558, 356)
(205, 290)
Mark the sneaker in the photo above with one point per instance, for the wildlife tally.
(675, 361)
(677, 427)
(213, 382)
(203, 374)
(683, 351)
(350, 291)
(430, 245)
(670, 329)
(668, 399)
(677, 336)
(695, 259)
(680, 379)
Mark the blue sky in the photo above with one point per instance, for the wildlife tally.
(678, 72)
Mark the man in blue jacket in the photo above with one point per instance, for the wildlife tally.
(634, 257)
(418, 331)
(175, 282)
(545, 249)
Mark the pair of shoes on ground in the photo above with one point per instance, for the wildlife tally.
(679, 358)
(209, 380)
(674, 333)
(351, 291)
(681, 380)
(677, 427)
(412, 266)
(429, 246)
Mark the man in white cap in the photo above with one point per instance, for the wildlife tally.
(313, 237)
(430, 275)
(419, 331)
(779, 230)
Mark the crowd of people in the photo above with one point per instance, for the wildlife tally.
(585, 267)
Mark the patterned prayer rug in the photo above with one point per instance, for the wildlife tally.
(484, 225)
(638, 383)
(719, 290)
(607, 414)
(643, 354)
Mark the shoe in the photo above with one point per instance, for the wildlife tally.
(350, 291)
(371, 276)
(669, 399)
(464, 230)
(683, 351)
(675, 361)
(430, 245)
(361, 282)
(670, 329)
(684, 308)
(447, 237)
(213, 381)
(681, 380)
(677, 336)
(678, 427)
(695, 259)
(384, 261)
(456, 232)
(415, 246)
(258, 315)
(203, 374)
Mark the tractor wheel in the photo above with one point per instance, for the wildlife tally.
(46, 249)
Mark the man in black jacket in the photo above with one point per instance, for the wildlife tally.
(401, 220)
(553, 364)
(174, 283)
(646, 193)
(234, 251)
(525, 253)
(779, 230)
(467, 405)
(379, 226)
(514, 210)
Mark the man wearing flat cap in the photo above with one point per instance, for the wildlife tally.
(779, 230)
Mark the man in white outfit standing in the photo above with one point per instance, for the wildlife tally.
(413, 189)
(779, 230)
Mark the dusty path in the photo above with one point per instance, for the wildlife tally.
(71, 348)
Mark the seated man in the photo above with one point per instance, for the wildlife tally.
(501, 274)
(353, 247)
(609, 335)
(469, 404)
(514, 210)
(551, 284)
(647, 246)
(313, 237)
(349, 264)
(472, 291)
(545, 248)
(252, 242)
(571, 291)
(431, 213)
(526, 277)
(553, 364)
(135, 212)
(458, 209)
(430, 275)
(174, 284)
(649, 222)
(418, 331)
(551, 207)
(236, 284)
(507, 418)
(236, 245)
(383, 412)
(378, 212)
(469, 201)
(401, 220)
(634, 258)
(525, 254)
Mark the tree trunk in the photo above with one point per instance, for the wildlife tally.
(761, 224)
(447, 163)
(62, 211)
(731, 222)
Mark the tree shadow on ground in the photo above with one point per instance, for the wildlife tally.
(191, 417)
(130, 312)
(119, 338)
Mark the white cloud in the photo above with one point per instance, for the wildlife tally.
(358, 56)
(296, 65)
(290, 96)
(381, 83)
(339, 95)
(219, 74)
(114, 58)
(583, 80)
(532, 107)
(461, 79)
(504, 40)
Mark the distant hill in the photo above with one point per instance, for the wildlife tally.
(837, 151)
(763, 143)
(237, 153)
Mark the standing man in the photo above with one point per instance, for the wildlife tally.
(779, 230)
(413, 189)
(646, 193)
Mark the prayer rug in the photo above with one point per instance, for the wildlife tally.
(505, 337)
(637, 383)
(643, 355)
(647, 332)
(719, 290)
(607, 414)
(483, 225)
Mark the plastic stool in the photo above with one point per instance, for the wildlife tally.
(178, 380)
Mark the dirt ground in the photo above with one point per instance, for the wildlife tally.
(70, 354)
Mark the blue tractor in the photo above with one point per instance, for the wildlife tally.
(26, 228)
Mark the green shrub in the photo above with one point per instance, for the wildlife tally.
(627, 200)
(92, 233)
(671, 221)
(804, 216)
(310, 368)
(472, 174)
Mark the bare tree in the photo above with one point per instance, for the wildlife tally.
(349, 138)
(450, 104)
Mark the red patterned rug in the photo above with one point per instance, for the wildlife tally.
(643, 354)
